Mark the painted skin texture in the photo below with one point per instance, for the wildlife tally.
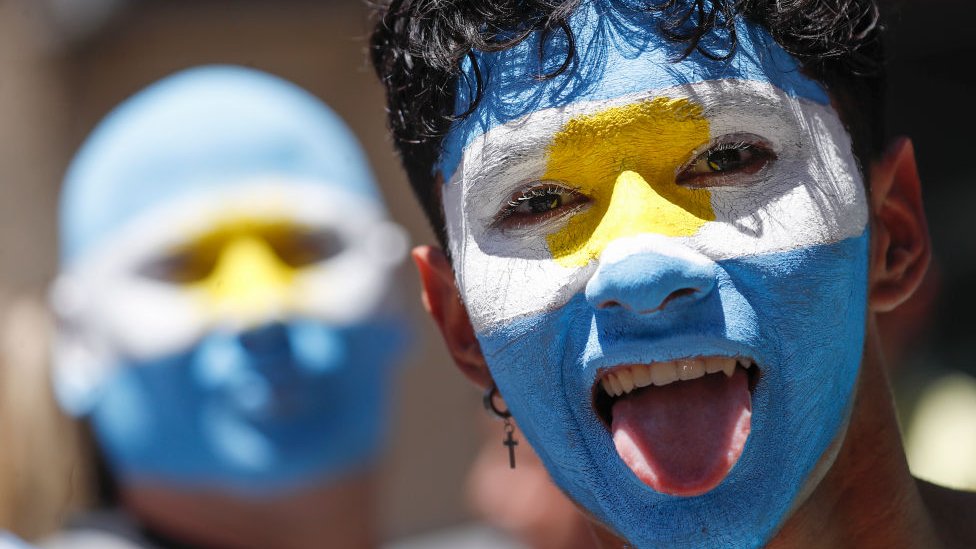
(768, 262)
(222, 316)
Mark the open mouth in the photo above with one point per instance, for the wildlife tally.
(680, 426)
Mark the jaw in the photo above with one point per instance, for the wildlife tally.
(679, 426)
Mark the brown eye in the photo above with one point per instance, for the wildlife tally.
(183, 266)
(538, 204)
(303, 247)
(724, 163)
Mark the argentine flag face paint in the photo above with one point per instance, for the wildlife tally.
(226, 306)
(635, 214)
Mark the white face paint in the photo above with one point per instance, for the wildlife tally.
(114, 310)
(808, 194)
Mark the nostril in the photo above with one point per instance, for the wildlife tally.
(677, 294)
(649, 282)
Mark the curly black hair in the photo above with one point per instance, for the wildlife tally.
(417, 48)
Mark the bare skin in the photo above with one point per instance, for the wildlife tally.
(867, 498)
(524, 501)
(334, 515)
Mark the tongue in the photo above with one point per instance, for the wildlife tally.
(683, 438)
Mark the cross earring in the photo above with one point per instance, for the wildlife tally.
(506, 416)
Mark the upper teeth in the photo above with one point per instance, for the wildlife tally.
(624, 380)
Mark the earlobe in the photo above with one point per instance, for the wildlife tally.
(900, 248)
(441, 299)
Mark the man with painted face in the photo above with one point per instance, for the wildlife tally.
(668, 227)
(228, 324)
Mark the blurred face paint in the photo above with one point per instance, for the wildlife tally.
(665, 265)
(228, 314)
(245, 324)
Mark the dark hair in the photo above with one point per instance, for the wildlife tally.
(417, 47)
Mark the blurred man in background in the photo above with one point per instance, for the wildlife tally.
(228, 324)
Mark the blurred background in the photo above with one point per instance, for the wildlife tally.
(65, 63)
(63, 66)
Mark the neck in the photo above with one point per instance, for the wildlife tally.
(868, 498)
(339, 514)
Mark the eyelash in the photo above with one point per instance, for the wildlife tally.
(761, 152)
(511, 207)
(730, 146)
(509, 215)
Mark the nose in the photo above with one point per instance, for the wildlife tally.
(270, 339)
(649, 282)
(249, 282)
(221, 364)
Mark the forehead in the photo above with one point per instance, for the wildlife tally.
(618, 53)
(251, 205)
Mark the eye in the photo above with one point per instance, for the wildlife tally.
(539, 203)
(303, 247)
(182, 266)
(723, 163)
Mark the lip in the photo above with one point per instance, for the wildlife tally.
(601, 402)
(646, 351)
(635, 351)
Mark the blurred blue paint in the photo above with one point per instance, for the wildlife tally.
(202, 128)
(307, 403)
(270, 408)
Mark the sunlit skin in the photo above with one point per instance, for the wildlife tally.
(867, 498)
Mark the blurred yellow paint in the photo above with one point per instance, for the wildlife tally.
(243, 267)
(248, 278)
(625, 160)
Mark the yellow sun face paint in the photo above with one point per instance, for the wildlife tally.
(625, 160)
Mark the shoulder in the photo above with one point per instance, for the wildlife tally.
(86, 539)
(9, 541)
(471, 536)
(109, 528)
(953, 514)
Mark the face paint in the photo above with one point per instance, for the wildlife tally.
(651, 222)
(237, 334)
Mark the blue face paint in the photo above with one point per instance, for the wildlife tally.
(229, 316)
(800, 315)
(769, 264)
(270, 409)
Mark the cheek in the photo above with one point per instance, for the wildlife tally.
(346, 290)
(498, 290)
(810, 312)
(146, 320)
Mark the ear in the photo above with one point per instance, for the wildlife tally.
(900, 248)
(442, 301)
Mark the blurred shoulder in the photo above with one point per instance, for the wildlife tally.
(470, 536)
